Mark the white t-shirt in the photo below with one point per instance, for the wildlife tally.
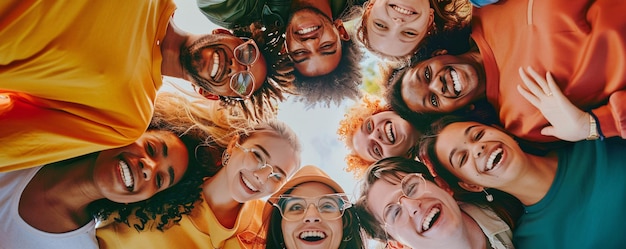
(16, 233)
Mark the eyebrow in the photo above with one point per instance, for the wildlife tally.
(163, 146)
(467, 131)
(170, 170)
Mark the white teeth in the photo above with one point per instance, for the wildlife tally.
(311, 234)
(126, 175)
(307, 30)
(492, 158)
(429, 218)
(455, 81)
(402, 10)
(248, 184)
(389, 132)
(216, 64)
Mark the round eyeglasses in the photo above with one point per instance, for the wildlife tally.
(279, 177)
(413, 185)
(294, 208)
(242, 83)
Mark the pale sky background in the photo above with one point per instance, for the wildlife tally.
(316, 128)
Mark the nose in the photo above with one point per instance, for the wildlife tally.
(263, 173)
(397, 19)
(436, 85)
(236, 67)
(377, 135)
(311, 214)
(412, 206)
(478, 150)
(148, 166)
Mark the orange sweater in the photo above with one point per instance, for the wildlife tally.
(581, 42)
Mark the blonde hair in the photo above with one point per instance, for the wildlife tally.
(199, 117)
(353, 119)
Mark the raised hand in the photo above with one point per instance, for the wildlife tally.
(567, 121)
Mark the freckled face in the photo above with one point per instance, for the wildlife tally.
(156, 161)
(384, 134)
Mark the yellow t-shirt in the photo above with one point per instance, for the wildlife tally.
(200, 229)
(91, 68)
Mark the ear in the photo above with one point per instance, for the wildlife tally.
(439, 52)
(222, 31)
(343, 33)
(395, 244)
(471, 187)
(231, 144)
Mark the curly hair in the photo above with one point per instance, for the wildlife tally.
(428, 155)
(352, 238)
(205, 135)
(353, 119)
(262, 103)
(342, 83)
(451, 16)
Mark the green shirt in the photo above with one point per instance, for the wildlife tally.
(585, 206)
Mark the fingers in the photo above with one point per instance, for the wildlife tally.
(530, 83)
(528, 96)
(552, 86)
(539, 81)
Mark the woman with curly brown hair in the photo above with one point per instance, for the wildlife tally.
(56, 205)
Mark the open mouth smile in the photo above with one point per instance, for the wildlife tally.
(389, 132)
(312, 236)
(126, 175)
(402, 10)
(432, 217)
(494, 159)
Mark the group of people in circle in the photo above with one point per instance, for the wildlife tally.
(501, 124)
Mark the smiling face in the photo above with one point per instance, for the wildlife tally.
(314, 42)
(429, 221)
(396, 27)
(247, 180)
(156, 161)
(479, 154)
(384, 134)
(312, 231)
(213, 61)
(442, 84)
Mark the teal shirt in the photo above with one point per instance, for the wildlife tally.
(586, 204)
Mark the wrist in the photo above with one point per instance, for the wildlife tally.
(594, 131)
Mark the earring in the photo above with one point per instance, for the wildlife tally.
(225, 157)
(488, 196)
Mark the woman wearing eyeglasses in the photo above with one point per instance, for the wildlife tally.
(401, 204)
(255, 164)
(311, 211)
(573, 197)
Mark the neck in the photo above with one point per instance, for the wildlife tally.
(533, 183)
(223, 205)
(473, 232)
(62, 191)
(174, 40)
(322, 5)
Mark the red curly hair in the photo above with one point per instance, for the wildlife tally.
(353, 119)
